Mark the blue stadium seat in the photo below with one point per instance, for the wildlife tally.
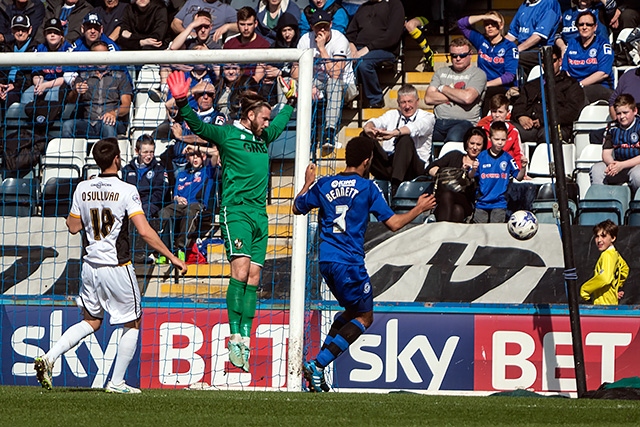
(604, 202)
(545, 206)
(56, 196)
(633, 213)
(284, 147)
(385, 186)
(19, 196)
(407, 195)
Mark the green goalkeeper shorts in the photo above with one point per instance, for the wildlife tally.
(246, 232)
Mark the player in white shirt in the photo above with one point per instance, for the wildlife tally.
(103, 207)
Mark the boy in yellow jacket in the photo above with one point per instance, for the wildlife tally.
(611, 270)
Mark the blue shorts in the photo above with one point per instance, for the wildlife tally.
(350, 285)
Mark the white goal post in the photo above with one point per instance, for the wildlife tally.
(303, 144)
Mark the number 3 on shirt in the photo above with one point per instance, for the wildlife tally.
(339, 223)
(106, 218)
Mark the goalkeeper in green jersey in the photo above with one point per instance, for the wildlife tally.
(245, 170)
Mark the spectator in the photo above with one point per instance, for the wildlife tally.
(629, 16)
(497, 56)
(47, 82)
(374, 36)
(204, 94)
(528, 114)
(229, 87)
(190, 198)
(621, 149)
(417, 29)
(222, 15)
(455, 202)
(16, 79)
(197, 35)
(248, 39)
(495, 169)
(339, 17)
(332, 75)
(144, 26)
(628, 83)
(288, 32)
(405, 140)
(589, 59)
(70, 13)
(34, 9)
(91, 34)
(533, 26)
(499, 107)
(111, 16)
(456, 91)
(569, 30)
(104, 100)
(150, 178)
(269, 11)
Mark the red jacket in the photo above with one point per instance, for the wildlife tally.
(513, 139)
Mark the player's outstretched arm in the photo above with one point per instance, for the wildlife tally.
(309, 179)
(151, 237)
(425, 202)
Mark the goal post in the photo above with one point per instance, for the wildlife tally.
(305, 59)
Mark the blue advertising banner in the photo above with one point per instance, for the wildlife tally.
(410, 351)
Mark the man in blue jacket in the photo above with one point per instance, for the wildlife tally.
(339, 17)
(150, 178)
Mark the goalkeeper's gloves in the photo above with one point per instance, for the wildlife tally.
(289, 90)
(178, 85)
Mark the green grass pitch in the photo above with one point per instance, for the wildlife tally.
(33, 406)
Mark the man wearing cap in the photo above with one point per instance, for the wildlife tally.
(332, 75)
(104, 100)
(47, 81)
(374, 35)
(92, 32)
(14, 81)
(71, 13)
(34, 9)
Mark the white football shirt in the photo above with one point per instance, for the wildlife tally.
(105, 204)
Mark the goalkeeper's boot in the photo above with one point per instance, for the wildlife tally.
(43, 371)
(235, 354)
(246, 352)
(121, 389)
(315, 377)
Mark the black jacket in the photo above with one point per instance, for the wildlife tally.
(378, 25)
(74, 21)
(151, 183)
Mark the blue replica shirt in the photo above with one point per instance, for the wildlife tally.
(497, 61)
(345, 201)
(195, 185)
(625, 142)
(493, 178)
(541, 18)
(570, 31)
(580, 62)
(51, 73)
(79, 46)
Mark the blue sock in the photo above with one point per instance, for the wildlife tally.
(345, 337)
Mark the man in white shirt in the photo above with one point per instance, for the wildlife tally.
(405, 140)
(331, 76)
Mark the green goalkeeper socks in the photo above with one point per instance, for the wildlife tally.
(248, 310)
(235, 296)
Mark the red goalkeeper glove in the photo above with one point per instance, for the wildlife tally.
(289, 90)
(178, 85)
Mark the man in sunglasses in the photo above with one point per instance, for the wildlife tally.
(457, 92)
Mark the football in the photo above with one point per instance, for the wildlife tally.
(522, 225)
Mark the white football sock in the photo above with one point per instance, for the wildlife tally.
(69, 339)
(126, 350)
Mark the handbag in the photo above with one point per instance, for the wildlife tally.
(452, 179)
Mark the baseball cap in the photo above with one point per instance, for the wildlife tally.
(92, 19)
(319, 16)
(20, 21)
(53, 24)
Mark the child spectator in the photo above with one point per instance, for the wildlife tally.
(499, 107)
(495, 167)
(621, 149)
(611, 270)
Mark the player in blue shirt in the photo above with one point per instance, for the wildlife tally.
(495, 168)
(497, 56)
(589, 59)
(345, 201)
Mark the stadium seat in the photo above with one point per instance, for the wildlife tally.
(592, 117)
(535, 72)
(284, 147)
(539, 163)
(385, 187)
(19, 196)
(56, 196)
(451, 146)
(546, 207)
(633, 213)
(407, 196)
(603, 202)
(148, 77)
(591, 154)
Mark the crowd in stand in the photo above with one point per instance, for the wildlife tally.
(351, 40)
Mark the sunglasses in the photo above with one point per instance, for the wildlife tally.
(586, 24)
(209, 94)
(459, 55)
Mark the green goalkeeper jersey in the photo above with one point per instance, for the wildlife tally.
(245, 161)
